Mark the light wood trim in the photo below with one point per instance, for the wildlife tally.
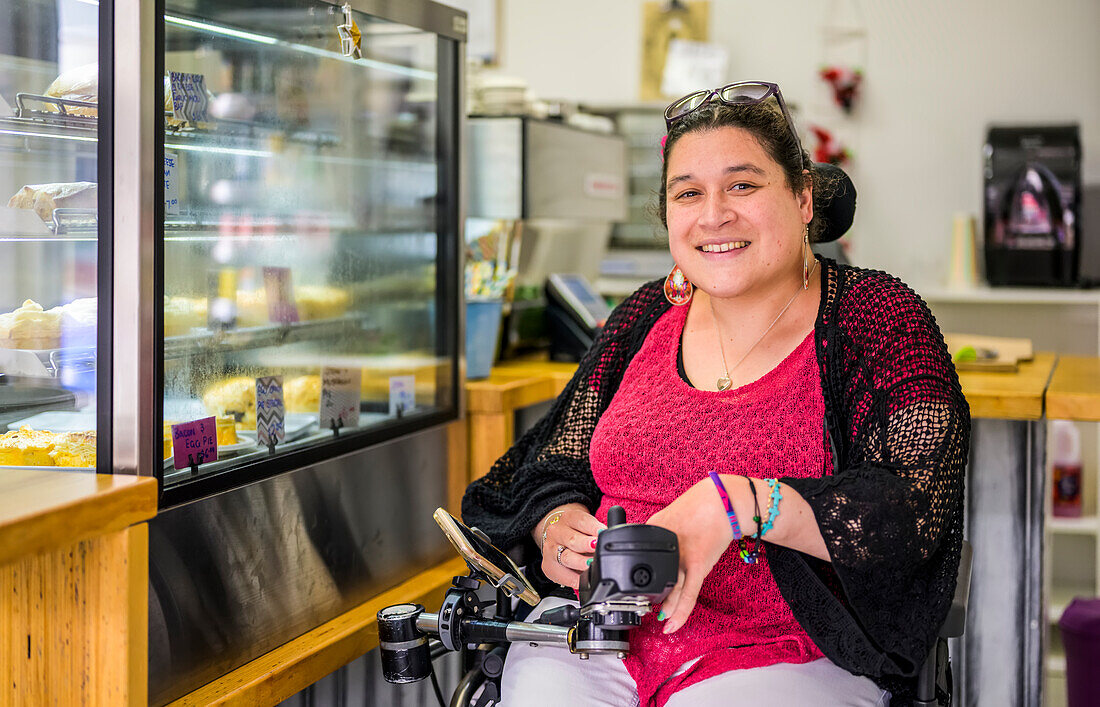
(1074, 392)
(501, 393)
(74, 623)
(457, 465)
(490, 434)
(292, 667)
(1009, 396)
(46, 510)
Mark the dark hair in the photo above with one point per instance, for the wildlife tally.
(768, 126)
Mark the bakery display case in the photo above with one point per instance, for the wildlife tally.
(304, 234)
(307, 247)
(49, 234)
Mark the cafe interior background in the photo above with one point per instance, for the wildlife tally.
(934, 78)
(971, 131)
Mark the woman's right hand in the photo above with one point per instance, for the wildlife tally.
(575, 530)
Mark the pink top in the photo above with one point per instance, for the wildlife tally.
(657, 438)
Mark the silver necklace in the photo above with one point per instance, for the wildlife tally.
(724, 382)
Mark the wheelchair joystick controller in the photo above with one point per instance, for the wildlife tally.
(634, 567)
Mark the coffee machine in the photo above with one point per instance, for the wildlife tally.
(1032, 206)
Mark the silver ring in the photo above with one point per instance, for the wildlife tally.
(561, 549)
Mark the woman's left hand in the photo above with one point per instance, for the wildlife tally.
(703, 530)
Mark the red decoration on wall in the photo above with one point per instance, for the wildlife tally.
(829, 148)
(845, 83)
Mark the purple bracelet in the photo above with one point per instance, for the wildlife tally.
(726, 502)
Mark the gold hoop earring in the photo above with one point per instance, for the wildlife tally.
(806, 251)
(678, 290)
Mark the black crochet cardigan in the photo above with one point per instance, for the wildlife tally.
(890, 514)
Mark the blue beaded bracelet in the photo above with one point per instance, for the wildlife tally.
(773, 506)
(726, 503)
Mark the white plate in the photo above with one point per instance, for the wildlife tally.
(246, 444)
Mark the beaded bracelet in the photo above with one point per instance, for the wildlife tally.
(750, 557)
(726, 503)
(773, 505)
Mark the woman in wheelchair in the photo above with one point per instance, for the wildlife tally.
(796, 422)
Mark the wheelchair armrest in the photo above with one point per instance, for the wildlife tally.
(955, 622)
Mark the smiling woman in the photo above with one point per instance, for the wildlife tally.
(815, 485)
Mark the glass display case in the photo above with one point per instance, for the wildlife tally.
(281, 263)
(49, 234)
(309, 249)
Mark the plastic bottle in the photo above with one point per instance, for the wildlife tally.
(1067, 469)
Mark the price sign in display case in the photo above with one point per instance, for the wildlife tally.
(307, 227)
(49, 233)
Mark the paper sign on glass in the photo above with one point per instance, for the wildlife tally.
(189, 99)
(280, 297)
(692, 65)
(194, 443)
(340, 397)
(270, 411)
(171, 184)
(402, 395)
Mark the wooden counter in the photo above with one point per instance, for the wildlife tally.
(491, 405)
(1074, 391)
(74, 582)
(1009, 396)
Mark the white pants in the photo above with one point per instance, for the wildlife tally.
(552, 677)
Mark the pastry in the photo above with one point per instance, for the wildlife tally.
(44, 198)
(82, 84)
(227, 430)
(251, 308)
(320, 302)
(74, 449)
(30, 327)
(26, 447)
(235, 396)
(302, 394)
(78, 322)
(181, 314)
(79, 84)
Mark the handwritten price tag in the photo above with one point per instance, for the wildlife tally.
(171, 184)
(270, 411)
(340, 397)
(189, 99)
(194, 443)
(402, 395)
(280, 297)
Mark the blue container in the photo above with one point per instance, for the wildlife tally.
(482, 335)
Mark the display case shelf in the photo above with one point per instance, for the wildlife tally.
(206, 341)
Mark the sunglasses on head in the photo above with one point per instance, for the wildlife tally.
(735, 94)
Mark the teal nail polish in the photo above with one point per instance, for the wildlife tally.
(661, 616)
(589, 562)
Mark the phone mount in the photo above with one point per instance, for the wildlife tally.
(635, 566)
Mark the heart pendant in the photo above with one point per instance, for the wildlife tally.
(724, 383)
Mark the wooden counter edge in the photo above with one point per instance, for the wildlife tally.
(86, 516)
(295, 665)
(1074, 392)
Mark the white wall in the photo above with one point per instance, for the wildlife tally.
(937, 73)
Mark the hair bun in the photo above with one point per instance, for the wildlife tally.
(836, 203)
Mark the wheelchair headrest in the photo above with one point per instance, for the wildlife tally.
(835, 203)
